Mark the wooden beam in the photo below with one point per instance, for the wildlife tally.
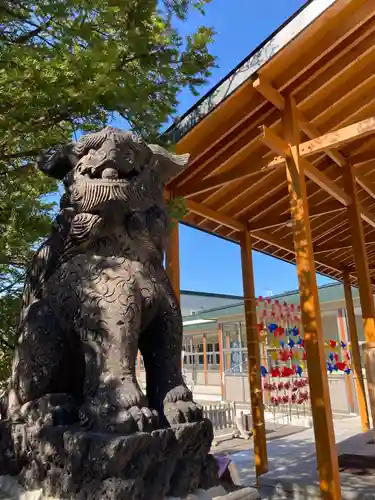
(364, 280)
(367, 216)
(253, 353)
(361, 181)
(363, 157)
(281, 147)
(286, 245)
(356, 160)
(282, 244)
(138, 364)
(269, 92)
(325, 183)
(242, 172)
(274, 96)
(365, 127)
(326, 452)
(274, 142)
(172, 254)
(213, 215)
(285, 219)
(337, 247)
(173, 260)
(312, 132)
(356, 353)
(338, 137)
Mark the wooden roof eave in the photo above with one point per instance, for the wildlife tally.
(225, 171)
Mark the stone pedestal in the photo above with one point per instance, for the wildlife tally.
(69, 463)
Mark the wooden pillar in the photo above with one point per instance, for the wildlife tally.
(344, 338)
(364, 280)
(253, 354)
(173, 259)
(221, 358)
(326, 452)
(356, 354)
(205, 358)
(228, 364)
(172, 263)
(139, 363)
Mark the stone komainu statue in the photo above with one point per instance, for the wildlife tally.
(97, 292)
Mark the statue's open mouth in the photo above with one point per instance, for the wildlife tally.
(109, 174)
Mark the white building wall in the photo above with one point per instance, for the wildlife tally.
(191, 302)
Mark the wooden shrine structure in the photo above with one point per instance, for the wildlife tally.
(283, 162)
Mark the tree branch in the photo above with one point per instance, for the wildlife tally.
(11, 285)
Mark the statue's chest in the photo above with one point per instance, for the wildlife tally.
(113, 280)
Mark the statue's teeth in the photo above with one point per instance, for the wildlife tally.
(109, 173)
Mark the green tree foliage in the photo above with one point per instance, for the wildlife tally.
(68, 66)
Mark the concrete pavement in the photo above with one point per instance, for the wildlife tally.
(293, 468)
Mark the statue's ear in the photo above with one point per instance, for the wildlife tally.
(59, 163)
(168, 165)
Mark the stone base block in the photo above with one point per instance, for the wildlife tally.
(69, 463)
(11, 490)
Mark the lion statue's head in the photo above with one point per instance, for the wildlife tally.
(112, 165)
(109, 175)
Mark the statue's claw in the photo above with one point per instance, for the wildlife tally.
(136, 419)
(182, 412)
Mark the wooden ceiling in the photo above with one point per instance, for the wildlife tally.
(235, 178)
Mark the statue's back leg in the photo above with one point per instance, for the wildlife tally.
(47, 360)
(161, 347)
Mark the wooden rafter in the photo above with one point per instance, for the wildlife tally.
(221, 178)
(281, 147)
(336, 248)
(269, 93)
(233, 174)
(213, 215)
(322, 143)
(284, 219)
(338, 137)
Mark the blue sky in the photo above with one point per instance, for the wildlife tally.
(209, 264)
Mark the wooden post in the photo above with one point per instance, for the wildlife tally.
(205, 358)
(228, 364)
(172, 263)
(364, 280)
(173, 259)
(356, 354)
(326, 452)
(139, 363)
(221, 358)
(344, 338)
(253, 354)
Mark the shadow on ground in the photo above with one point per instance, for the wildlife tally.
(293, 467)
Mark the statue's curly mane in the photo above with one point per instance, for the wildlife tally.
(44, 263)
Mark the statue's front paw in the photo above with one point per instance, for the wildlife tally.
(179, 393)
(135, 419)
(181, 412)
(51, 409)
